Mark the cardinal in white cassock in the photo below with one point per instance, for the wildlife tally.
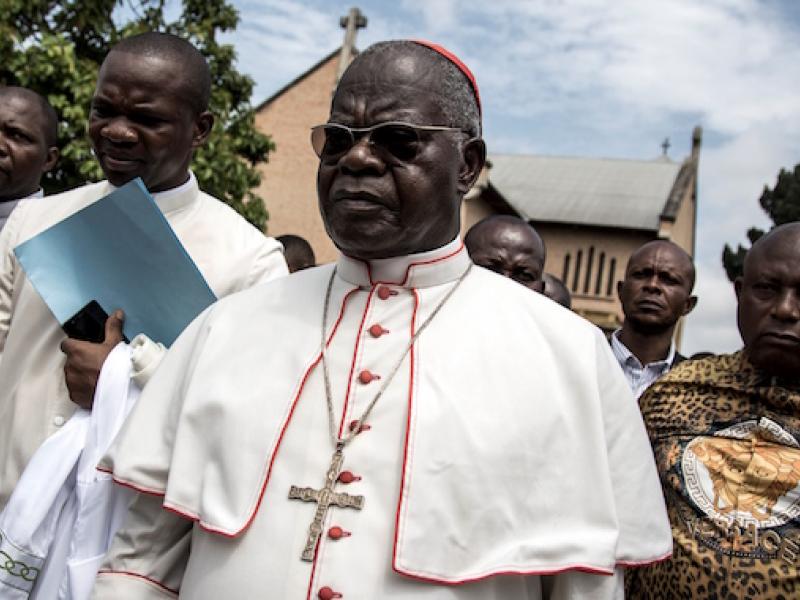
(399, 424)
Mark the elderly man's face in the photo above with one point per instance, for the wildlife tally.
(24, 153)
(657, 288)
(141, 124)
(769, 305)
(376, 204)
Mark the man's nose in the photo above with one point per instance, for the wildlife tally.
(363, 156)
(652, 284)
(787, 306)
(119, 131)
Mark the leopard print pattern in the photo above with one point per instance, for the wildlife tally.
(722, 406)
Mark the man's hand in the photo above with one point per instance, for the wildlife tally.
(85, 359)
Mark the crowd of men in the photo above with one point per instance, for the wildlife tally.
(401, 423)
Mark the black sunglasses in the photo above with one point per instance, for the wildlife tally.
(401, 140)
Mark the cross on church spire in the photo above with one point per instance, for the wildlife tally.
(665, 146)
(351, 23)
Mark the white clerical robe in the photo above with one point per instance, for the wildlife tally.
(7, 207)
(230, 253)
(507, 447)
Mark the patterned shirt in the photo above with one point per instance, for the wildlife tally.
(639, 376)
(726, 438)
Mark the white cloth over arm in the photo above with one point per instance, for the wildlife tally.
(64, 513)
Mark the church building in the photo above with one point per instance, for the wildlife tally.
(591, 212)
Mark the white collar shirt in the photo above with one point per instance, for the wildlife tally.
(639, 376)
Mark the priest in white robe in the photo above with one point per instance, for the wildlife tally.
(28, 146)
(148, 113)
(401, 424)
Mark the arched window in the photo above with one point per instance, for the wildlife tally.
(576, 276)
(612, 272)
(601, 262)
(565, 271)
(589, 264)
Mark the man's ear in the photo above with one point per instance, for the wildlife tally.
(53, 154)
(203, 123)
(474, 158)
(691, 302)
(737, 287)
(619, 289)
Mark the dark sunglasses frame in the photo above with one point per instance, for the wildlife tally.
(319, 137)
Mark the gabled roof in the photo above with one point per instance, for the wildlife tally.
(299, 78)
(631, 194)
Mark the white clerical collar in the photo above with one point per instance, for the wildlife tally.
(425, 269)
(7, 206)
(175, 198)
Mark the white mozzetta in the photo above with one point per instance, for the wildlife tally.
(508, 446)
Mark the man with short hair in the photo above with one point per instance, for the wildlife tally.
(297, 251)
(509, 246)
(148, 114)
(655, 293)
(726, 434)
(28, 146)
(395, 425)
(555, 289)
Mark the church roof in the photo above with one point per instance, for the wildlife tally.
(632, 194)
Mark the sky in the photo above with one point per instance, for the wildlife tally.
(597, 78)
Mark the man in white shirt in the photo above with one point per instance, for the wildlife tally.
(395, 425)
(655, 293)
(28, 146)
(148, 114)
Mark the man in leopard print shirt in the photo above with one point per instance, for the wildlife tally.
(726, 435)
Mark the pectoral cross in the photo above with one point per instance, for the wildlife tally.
(325, 498)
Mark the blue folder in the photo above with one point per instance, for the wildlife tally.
(121, 252)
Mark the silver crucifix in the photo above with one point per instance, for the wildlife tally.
(324, 498)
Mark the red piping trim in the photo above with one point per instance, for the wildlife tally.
(353, 362)
(228, 534)
(408, 433)
(138, 576)
(582, 568)
(408, 268)
(644, 563)
(285, 426)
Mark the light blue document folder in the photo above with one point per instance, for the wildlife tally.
(121, 252)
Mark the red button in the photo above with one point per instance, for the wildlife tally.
(384, 292)
(326, 593)
(377, 331)
(348, 477)
(336, 533)
(356, 424)
(365, 376)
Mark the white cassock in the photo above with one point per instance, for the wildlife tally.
(230, 253)
(506, 460)
(8, 206)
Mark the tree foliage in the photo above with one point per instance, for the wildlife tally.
(56, 47)
(782, 205)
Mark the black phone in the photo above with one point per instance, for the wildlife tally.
(88, 324)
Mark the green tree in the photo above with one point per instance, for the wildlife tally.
(782, 205)
(56, 47)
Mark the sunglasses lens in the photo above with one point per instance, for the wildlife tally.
(330, 141)
(400, 141)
